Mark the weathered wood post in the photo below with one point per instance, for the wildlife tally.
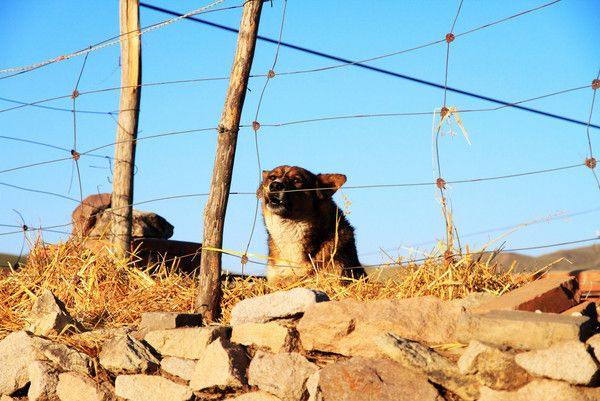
(209, 290)
(129, 108)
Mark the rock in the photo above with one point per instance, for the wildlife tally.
(44, 379)
(84, 216)
(550, 294)
(346, 327)
(186, 342)
(144, 225)
(77, 387)
(180, 367)
(594, 343)
(492, 367)
(542, 390)
(278, 305)
(283, 375)
(124, 354)
(438, 369)
(6, 398)
(168, 320)
(567, 361)
(312, 386)
(155, 388)
(48, 315)
(222, 365)
(270, 336)
(361, 378)
(255, 396)
(522, 330)
(20, 349)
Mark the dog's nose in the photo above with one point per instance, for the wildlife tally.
(276, 186)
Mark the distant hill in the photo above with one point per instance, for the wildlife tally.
(7, 258)
(583, 258)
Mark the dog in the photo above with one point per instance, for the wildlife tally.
(306, 230)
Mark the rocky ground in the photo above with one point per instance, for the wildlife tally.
(539, 342)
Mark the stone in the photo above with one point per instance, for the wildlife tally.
(270, 336)
(255, 396)
(346, 327)
(20, 349)
(124, 354)
(278, 305)
(360, 378)
(522, 330)
(283, 375)
(587, 308)
(568, 361)
(594, 343)
(6, 398)
(155, 388)
(492, 367)
(550, 295)
(77, 387)
(43, 378)
(180, 367)
(168, 320)
(222, 365)
(542, 390)
(185, 342)
(312, 386)
(424, 360)
(48, 315)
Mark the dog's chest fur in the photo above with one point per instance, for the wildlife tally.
(288, 239)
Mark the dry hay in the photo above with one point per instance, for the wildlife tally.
(102, 291)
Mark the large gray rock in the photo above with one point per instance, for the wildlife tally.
(283, 375)
(179, 367)
(77, 387)
(155, 388)
(347, 327)
(270, 336)
(493, 368)
(568, 361)
(20, 349)
(43, 378)
(185, 342)
(124, 354)
(278, 305)
(543, 390)
(48, 315)
(359, 379)
(424, 360)
(523, 330)
(222, 365)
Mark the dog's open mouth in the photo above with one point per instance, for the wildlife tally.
(276, 202)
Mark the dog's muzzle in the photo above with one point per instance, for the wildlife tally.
(276, 197)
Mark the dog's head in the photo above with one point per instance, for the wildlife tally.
(293, 192)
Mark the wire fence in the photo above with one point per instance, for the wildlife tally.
(441, 116)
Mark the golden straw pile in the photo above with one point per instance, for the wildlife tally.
(101, 291)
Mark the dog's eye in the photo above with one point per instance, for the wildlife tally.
(297, 180)
(272, 177)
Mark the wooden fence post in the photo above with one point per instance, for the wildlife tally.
(129, 108)
(209, 289)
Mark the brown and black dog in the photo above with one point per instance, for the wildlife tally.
(306, 229)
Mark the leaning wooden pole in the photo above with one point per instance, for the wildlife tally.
(209, 289)
(129, 109)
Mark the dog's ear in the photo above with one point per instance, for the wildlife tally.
(259, 191)
(328, 184)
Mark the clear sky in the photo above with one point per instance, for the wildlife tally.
(542, 52)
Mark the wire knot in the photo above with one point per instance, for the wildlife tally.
(75, 94)
(244, 259)
(440, 183)
(255, 125)
(595, 84)
(591, 163)
(24, 227)
(271, 74)
(75, 154)
(443, 111)
(449, 37)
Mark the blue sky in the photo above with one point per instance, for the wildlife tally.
(546, 51)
